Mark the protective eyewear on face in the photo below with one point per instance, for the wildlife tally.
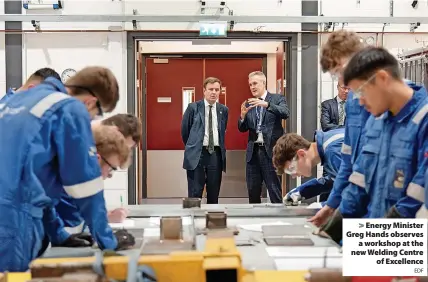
(292, 168)
(358, 93)
(98, 104)
(112, 168)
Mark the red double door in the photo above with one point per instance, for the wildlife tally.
(166, 82)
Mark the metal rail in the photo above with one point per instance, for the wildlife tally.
(184, 18)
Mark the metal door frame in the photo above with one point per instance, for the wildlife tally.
(132, 50)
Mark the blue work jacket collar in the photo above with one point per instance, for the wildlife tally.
(56, 84)
(319, 139)
(419, 93)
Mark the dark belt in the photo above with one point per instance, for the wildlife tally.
(259, 144)
(215, 147)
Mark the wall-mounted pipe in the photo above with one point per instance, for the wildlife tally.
(172, 30)
(199, 18)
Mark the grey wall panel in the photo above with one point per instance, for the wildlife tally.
(13, 46)
(309, 74)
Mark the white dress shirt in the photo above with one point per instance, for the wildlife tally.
(215, 123)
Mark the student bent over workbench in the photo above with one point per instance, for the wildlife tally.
(296, 156)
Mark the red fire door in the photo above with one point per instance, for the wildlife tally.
(169, 82)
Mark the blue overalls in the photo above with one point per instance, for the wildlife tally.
(356, 117)
(423, 212)
(8, 94)
(69, 213)
(391, 169)
(329, 145)
(46, 142)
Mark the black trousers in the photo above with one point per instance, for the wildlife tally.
(260, 169)
(208, 172)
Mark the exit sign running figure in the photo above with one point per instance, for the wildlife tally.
(213, 29)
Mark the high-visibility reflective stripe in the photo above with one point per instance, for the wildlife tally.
(332, 139)
(422, 213)
(420, 115)
(346, 149)
(48, 102)
(416, 191)
(358, 179)
(85, 189)
(76, 229)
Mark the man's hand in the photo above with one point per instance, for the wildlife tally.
(256, 102)
(292, 198)
(321, 216)
(244, 109)
(77, 240)
(125, 240)
(117, 215)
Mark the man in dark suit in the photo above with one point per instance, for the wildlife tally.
(333, 110)
(203, 130)
(262, 116)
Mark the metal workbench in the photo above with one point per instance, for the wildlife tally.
(323, 253)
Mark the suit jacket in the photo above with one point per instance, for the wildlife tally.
(271, 126)
(330, 115)
(193, 131)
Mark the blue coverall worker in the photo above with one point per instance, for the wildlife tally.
(423, 212)
(35, 79)
(49, 132)
(8, 94)
(335, 55)
(388, 178)
(328, 145)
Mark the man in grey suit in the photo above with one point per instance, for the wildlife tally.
(262, 116)
(203, 130)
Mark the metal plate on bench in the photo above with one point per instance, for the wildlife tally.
(286, 230)
(288, 241)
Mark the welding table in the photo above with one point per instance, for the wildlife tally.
(324, 252)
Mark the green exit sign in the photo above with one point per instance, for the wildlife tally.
(213, 29)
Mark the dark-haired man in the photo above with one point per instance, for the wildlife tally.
(388, 178)
(35, 79)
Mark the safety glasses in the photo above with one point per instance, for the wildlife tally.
(112, 168)
(359, 92)
(98, 104)
(292, 168)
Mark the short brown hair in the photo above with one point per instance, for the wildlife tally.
(211, 80)
(110, 142)
(101, 81)
(340, 44)
(286, 148)
(128, 125)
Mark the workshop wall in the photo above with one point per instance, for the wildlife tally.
(77, 50)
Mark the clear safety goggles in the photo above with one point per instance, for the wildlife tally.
(292, 168)
(358, 93)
